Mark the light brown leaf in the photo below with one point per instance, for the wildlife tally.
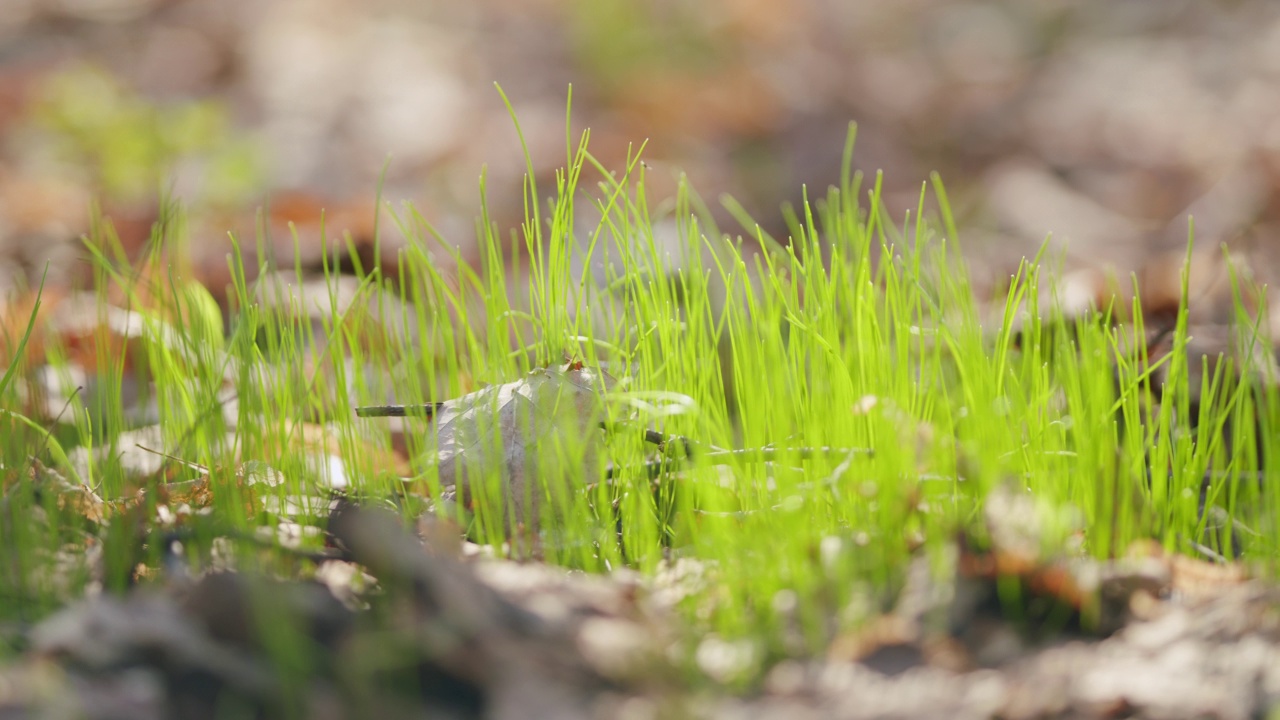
(537, 435)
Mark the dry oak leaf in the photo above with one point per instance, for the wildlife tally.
(539, 436)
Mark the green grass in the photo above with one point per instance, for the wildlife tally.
(857, 332)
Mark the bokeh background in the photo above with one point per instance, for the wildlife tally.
(1104, 122)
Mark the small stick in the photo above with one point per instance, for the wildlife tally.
(763, 454)
(192, 465)
(1213, 555)
(653, 437)
(425, 410)
(655, 468)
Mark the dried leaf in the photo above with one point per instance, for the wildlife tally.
(489, 434)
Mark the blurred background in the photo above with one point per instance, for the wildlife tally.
(1103, 122)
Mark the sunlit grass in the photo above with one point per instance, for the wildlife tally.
(880, 400)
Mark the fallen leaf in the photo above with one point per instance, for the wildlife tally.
(491, 434)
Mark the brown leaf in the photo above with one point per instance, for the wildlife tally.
(493, 432)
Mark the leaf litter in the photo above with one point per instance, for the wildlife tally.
(490, 433)
(388, 622)
(393, 625)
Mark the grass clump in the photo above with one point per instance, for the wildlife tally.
(832, 407)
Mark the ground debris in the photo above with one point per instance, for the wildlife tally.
(1213, 657)
(1016, 631)
(523, 434)
(432, 630)
(432, 636)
